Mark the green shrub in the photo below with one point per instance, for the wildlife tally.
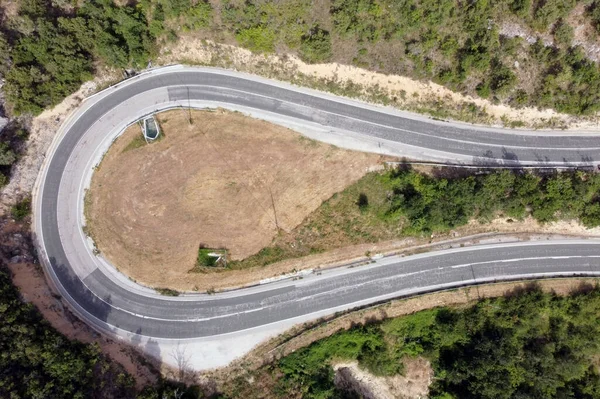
(483, 89)
(204, 259)
(198, 16)
(563, 33)
(7, 155)
(315, 45)
(22, 209)
(549, 11)
(258, 39)
(167, 291)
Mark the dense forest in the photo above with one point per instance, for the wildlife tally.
(53, 46)
(38, 362)
(434, 203)
(525, 345)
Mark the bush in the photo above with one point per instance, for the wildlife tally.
(315, 45)
(7, 155)
(483, 89)
(563, 33)
(22, 209)
(431, 204)
(198, 16)
(258, 39)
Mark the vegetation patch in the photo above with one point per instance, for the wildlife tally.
(403, 202)
(167, 291)
(21, 209)
(137, 142)
(210, 257)
(12, 145)
(526, 344)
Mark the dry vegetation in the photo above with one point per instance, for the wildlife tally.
(226, 181)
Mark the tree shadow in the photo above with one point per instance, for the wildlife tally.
(100, 308)
(584, 288)
(523, 289)
(506, 158)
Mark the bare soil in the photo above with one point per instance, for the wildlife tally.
(414, 384)
(225, 181)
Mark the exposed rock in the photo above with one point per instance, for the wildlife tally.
(349, 378)
(414, 384)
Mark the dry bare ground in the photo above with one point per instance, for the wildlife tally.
(226, 181)
(414, 384)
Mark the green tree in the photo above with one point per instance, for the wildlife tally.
(563, 33)
(7, 155)
(316, 45)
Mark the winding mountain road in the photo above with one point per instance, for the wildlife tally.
(223, 326)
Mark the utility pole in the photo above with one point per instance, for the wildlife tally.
(274, 211)
(189, 107)
(475, 280)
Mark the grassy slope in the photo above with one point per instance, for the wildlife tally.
(407, 203)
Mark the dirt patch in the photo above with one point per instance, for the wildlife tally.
(413, 384)
(226, 181)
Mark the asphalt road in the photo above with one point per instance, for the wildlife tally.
(112, 303)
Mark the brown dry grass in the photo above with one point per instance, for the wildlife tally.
(227, 181)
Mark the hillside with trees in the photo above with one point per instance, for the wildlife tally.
(527, 344)
(531, 345)
(53, 46)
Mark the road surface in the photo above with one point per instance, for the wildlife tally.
(111, 303)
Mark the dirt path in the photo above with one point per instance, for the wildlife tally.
(226, 181)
